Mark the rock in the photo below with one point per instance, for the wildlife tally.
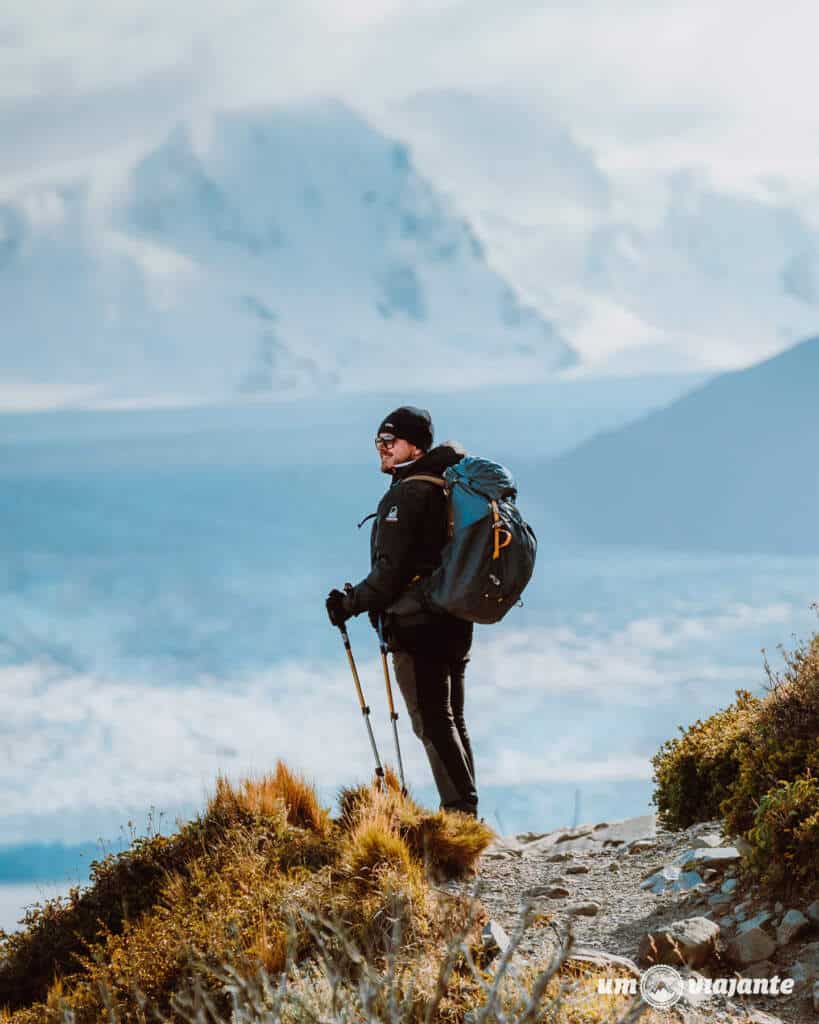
(556, 857)
(800, 975)
(710, 873)
(577, 869)
(574, 833)
(760, 969)
(778, 907)
(671, 878)
(754, 922)
(552, 891)
(657, 882)
(709, 841)
(579, 838)
(587, 908)
(721, 856)
(503, 848)
(794, 924)
(741, 910)
(816, 996)
(494, 939)
(729, 885)
(596, 838)
(812, 912)
(751, 946)
(693, 937)
(760, 1017)
(642, 827)
(719, 899)
(641, 845)
(614, 866)
(602, 958)
(726, 922)
(530, 837)
(809, 955)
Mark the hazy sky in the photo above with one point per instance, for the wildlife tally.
(727, 84)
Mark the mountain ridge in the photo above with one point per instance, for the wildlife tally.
(708, 470)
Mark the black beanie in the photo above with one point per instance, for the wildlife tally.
(410, 424)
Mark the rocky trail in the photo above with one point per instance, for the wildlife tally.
(638, 895)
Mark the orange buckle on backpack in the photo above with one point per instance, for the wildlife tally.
(498, 530)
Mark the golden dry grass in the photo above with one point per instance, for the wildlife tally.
(267, 886)
(374, 841)
(266, 795)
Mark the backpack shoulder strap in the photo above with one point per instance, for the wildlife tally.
(439, 482)
(427, 478)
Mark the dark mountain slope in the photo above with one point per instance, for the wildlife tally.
(733, 465)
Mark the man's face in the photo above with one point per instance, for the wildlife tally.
(393, 453)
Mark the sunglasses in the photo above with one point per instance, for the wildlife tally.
(385, 440)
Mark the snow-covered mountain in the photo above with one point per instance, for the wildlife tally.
(279, 252)
(644, 268)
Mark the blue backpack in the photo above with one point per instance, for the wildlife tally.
(490, 555)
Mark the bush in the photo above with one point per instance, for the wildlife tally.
(785, 838)
(782, 744)
(695, 772)
(756, 764)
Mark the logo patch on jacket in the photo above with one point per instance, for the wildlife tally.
(392, 515)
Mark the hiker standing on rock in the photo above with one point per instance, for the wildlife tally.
(430, 649)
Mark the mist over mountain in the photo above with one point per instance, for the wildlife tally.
(282, 252)
(732, 465)
(644, 267)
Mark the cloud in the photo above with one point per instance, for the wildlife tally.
(583, 705)
(74, 740)
(637, 80)
(28, 396)
(642, 663)
(64, 124)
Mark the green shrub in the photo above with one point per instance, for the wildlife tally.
(784, 741)
(755, 764)
(785, 838)
(694, 773)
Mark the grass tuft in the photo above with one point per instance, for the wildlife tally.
(269, 795)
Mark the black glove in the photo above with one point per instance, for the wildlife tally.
(338, 607)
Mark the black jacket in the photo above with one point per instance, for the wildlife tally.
(408, 535)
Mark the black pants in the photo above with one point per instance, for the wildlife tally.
(430, 663)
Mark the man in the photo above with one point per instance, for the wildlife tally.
(430, 649)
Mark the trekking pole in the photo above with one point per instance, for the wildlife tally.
(393, 712)
(365, 711)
